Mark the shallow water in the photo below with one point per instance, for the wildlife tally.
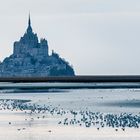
(97, 100)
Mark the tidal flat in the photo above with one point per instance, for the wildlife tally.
(72, 114)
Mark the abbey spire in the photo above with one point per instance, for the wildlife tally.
(29, 21)
(29, 29)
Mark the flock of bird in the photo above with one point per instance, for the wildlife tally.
(101, 120)
(74, 118)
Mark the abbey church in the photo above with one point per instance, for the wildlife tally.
(31, 58)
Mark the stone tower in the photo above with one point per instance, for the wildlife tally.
(29, 44)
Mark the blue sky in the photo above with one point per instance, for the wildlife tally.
(95, 36)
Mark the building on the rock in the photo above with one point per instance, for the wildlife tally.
(31, 58)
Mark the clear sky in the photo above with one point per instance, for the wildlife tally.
(95, 36)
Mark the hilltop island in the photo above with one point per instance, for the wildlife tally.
(31, 58)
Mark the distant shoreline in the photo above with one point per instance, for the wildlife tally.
(75, 79)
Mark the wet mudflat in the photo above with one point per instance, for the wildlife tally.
(71, 114)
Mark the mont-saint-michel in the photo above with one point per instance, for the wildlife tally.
(31, 58)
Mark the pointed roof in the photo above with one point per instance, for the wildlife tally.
(29, 29)
(29, 38)
(29, 20)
